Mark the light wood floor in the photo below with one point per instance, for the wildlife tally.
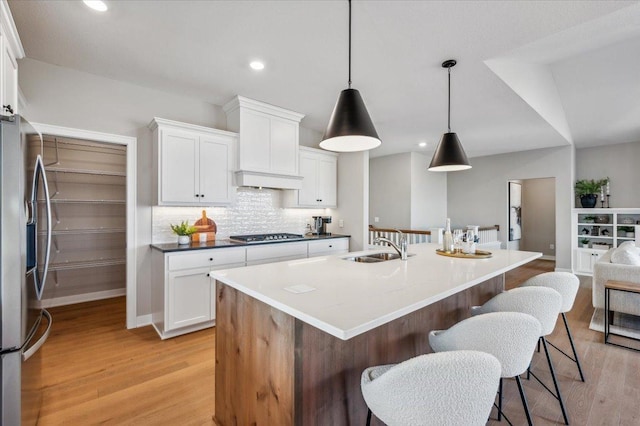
(97, 372)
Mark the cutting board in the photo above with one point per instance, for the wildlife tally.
(204, 225)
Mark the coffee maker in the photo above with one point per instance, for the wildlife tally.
(319, 226)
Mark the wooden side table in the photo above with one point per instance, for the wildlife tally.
(608, 318)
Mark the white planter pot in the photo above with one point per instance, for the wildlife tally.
(631, 234)
(183, 239)
(585, 245)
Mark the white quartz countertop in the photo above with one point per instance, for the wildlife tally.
(346, 298)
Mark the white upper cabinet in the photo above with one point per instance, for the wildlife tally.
(319, 187)
(11, 51)
(194, 164)
(268, 143)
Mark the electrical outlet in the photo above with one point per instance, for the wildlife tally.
(376, 219)
(552, 246)
(341, 223)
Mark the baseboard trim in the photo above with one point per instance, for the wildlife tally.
(143, 320)
(563, 270)
(547, 257)
(81, 298)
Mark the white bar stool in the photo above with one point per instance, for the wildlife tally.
(509, 336)
(543, 304)
(567, 285)
(453, 388)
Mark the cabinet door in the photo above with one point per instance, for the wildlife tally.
(9, 78)
(179, 181)
(190, 298)
(328, 182)
(215, 170)
(254, 141)
(284, 146)
(308, 194)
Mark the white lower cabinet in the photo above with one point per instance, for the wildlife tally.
(279, 252)
(328, 247)
(585, 259)
(183, 294)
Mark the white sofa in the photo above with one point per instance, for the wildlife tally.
(604, 270)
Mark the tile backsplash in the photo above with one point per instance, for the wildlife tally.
(254, 211)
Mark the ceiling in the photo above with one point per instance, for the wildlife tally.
(530, 74)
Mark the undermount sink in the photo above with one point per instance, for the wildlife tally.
(375, 257)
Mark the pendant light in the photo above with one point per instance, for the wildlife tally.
(350, 128)
(449, 155)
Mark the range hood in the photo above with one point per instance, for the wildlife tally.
(267, 180)
(268, 144)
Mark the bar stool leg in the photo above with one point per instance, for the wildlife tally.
(368, 417)
(575, 354)
(524, 401)
(500, 400)
(555, 381)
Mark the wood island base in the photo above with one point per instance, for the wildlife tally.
(273, 369)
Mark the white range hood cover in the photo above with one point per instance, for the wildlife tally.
(267, 180)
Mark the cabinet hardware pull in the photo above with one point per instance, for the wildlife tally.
(8, 108)
(197, 195)
(211, 259)
(202, 195)
(330, 246)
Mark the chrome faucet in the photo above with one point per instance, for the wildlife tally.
(402, 250)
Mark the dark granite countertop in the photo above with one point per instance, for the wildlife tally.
(224, 243)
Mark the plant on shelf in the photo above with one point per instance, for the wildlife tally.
(587, 190)
(626, 231)
(584, 242)
(589, 219)
(183, 231)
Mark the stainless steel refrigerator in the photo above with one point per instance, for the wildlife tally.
(25, 241)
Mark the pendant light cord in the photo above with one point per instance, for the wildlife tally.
(449, 111)
(349, 44)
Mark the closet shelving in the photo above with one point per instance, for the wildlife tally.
(87, 185)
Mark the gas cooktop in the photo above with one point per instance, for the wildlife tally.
(266, 238)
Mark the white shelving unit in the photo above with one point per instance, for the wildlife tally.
(87, 185)
(601, 229)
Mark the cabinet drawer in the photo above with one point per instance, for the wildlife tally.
(334, 245)
(274, 251)
(206, 258)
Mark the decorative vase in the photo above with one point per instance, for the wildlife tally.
(589, 201)
(585, 245)
(631, 234)
(183, 239)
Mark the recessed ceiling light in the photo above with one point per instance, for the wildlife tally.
(257, 65)
(422, 144)
(98, 5)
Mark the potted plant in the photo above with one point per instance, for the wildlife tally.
(587, 190)
(584, 242)
(626, 231)
(589, 219)
(183, 231)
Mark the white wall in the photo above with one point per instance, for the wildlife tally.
(480, 195)
(428, 194)
(353, 199)
(390, 191)
(404, 194)
(621, 163)
(538, 216)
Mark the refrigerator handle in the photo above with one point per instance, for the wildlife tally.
(36, 346)
(45, 187)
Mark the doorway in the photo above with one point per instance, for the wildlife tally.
(533, 219)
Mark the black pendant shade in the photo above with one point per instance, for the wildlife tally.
(350, 128)
(449, 155)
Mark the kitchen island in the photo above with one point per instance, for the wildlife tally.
(292, 338)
